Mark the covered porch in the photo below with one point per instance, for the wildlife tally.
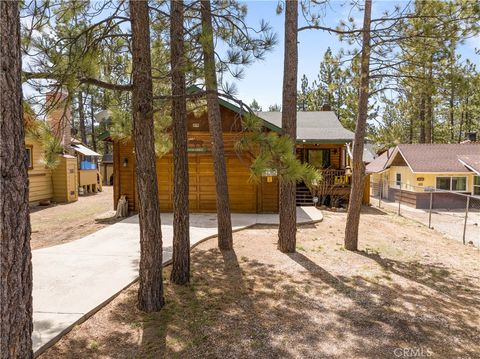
(332, 162)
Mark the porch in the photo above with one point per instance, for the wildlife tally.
(334, 187)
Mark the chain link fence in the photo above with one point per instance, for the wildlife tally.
(455, 214)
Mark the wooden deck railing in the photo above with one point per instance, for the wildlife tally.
(334, 178)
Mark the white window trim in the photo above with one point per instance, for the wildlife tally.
(451, 190)
(475, 185)
(396, 181)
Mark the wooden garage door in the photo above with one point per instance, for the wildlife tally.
(202, 196)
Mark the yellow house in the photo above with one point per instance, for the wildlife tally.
(45, 184)
(415, 170)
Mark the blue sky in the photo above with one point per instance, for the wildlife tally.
(263, 80)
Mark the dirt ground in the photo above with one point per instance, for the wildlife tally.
(407, 291)
(61, 223)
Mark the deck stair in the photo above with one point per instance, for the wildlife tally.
(303, 195)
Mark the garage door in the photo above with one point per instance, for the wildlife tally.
(202, 195)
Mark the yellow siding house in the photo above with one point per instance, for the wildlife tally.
(414, 170)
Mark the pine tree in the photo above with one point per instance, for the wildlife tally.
(225, 239)
(287, 201)
(15, 255)
(358, 167)
(254, 106)
(150, 293)
(181, 237)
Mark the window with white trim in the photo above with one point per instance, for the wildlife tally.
(454, 183)
(476, 185)
(398, 179)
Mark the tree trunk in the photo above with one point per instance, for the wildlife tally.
(15, 255)
(225, 240)
(358, 167)
(429, 105)
(421, 116)
(92, 118)
(150, 293)
(181, 237)
(429, 119)
(451, 111)
(468, 122)
(460, 127)
(287, 229)
(81, 118)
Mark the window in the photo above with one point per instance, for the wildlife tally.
(476, 185)
(319, 158)
(451, 183)
(398, 179)
(29, 150)
(443, 183)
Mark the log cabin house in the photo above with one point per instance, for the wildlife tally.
(321, 141)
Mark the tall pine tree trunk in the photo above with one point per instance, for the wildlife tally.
(451, 111)
(358, 167)
(81, 118)
(181, 237)
(460, 126)
(428, 119)
(225, 240)
(15, 255)
(287, 229)
(92, 118)
(150, 293)
(429, 105)
(422, 119)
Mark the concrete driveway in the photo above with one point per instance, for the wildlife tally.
(73, 280)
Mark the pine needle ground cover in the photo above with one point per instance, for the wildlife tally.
(62, 223)
(407, 288)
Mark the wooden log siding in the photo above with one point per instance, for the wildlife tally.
(335, 152)
(245, 196)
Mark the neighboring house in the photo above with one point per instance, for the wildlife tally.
(89, 177)
(417, 169)
(44, 184)
(60, 184)
(321, 141)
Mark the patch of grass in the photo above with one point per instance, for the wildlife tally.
(93, 345)
(300, 248)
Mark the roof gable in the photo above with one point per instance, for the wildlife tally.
(432, 157)
(379, 164)
(437, 157)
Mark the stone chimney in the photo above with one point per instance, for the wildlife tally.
(60, 117)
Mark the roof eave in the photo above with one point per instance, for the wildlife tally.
(337, 141)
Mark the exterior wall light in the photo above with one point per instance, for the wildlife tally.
(125, 162)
